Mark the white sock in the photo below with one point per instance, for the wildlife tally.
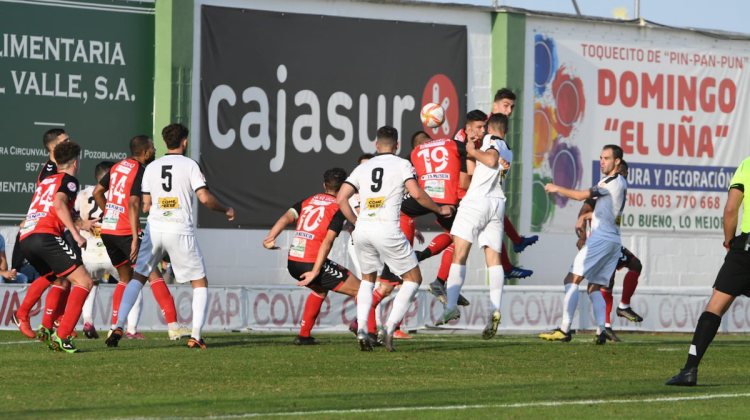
(570, 303)
(88, 306)
(174, 326)
(600, 309)
(456, 277)
(623, 305)
(135, 314)
(129, 296)
(364, 303)
(200, 309)
(401, 304)
(607, 325)
(497, 279)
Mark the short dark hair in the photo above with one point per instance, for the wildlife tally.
(173, 135)
(417, 134)
(138, 144)
(334, 178)
(50, 136)
(504, 93)
(67, 152)
(366, 156)
(387, 134)
(624, 164)
(476, 115)
(616, 150)
(102, 168)
(499, 122)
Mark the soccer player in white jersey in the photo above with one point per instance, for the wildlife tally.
(480, 218)
(380, 183)
(354, 203)
(169, 184)
(597, 259)
(96, 260)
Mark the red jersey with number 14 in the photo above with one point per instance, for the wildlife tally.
(122, 182)
(439, 164)
(42, 217)
(315, 217)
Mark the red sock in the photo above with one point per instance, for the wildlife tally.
(312, 309)
(398, 326)
(510, 231)
(116, 299)
(505, 261)
(164, 299)
(629, 285)
(61, 303)
(73, 310)
(445, 264)
(35, 292)
(607, 295)
(439, 244)
(372, 321)
(50, 305)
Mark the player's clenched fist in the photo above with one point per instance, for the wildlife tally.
(551, 188)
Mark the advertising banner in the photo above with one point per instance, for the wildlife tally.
(87, 68)
(524, 309)
(676, 106)
(284, 97)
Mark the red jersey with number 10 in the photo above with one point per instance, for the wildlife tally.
(315, 217)
(439, 164)
(122, 182)
(42, 217)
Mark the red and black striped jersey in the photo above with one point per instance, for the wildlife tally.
(122, 182)
(42, 217)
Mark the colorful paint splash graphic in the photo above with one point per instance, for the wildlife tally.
(567, 169)
(543, 208)
(570, 103)
(545, 133)
(545, 62)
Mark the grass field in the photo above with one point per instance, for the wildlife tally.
(432, 376)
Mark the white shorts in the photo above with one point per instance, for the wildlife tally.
(481, 219)
(354, 265)
(375, 247)
(98, 270)
(184, 253)
(597, 260)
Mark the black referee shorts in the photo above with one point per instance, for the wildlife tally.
(734, 275)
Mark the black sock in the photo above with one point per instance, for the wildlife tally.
(705, 332)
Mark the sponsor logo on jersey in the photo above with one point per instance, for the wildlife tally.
(374, 203)
(436, 176)
(321, 202)
(169, 203)
(167, 214)
(126, 163)
(72, 186)
(115, 207)
(305, 235)
(123, 169)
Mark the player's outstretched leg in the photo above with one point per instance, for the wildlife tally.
(628, 288)
(310, 314)
(89, 330)
(496, 297)
(35, 292)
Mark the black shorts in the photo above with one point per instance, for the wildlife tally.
(388, 277)
(734, 275)
(332, 276)
(118, 248)
(412, 208)
(625, 258)
(50, 254)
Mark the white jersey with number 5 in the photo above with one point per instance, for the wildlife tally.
(172, 180)
(380, 183)
(486, 181)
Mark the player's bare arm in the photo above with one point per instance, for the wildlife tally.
(425, 200)
(581, 224)
(134, 211)
(325, 249)
(60, 203)
(146, 201)
(210, 201)
(345, 193)
(99, 197)
(731, 214)
(287, 219)
(489, 158)
(579, 195)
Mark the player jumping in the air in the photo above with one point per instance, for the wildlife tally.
(169, 185)
(627, 259)
(597, 259)
(319, 222)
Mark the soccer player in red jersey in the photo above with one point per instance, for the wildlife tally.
(119, 194)
(318, 223)
(627, 259)
(43, 246)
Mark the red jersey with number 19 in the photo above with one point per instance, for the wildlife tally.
(315, 217)
(439, 164)
(42, 217)
(122, 182)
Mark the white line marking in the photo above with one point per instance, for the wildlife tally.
(49, 123)
(450, 407)
(20, 342)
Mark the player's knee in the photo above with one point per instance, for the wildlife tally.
(635, 265)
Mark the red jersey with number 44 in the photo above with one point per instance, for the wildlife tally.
(42, 217)
(315, 217)
(439, 164)
(122, 182)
